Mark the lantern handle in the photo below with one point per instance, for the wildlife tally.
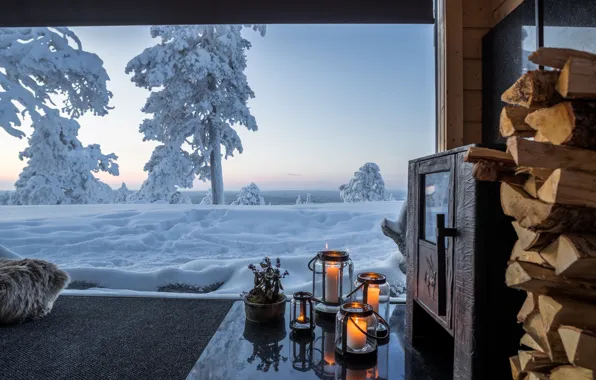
(383, 322)
(310, 263)
(355, 290)
(375, 337)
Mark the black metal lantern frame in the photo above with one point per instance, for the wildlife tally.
(302, 350)
(336, 272)
(366, 285)
(356, 331)
(302, 312)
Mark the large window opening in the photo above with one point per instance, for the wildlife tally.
(111, 138)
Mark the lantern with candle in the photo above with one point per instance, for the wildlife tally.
(301, 312)
(373, 289)
(302, 350)
(356, 330)
(332, 279)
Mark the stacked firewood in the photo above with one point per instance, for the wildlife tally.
(548, 177)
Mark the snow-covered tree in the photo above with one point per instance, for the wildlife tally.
(59, 168)
(123, 194)
(198, 93)
(366, 185)
(5, 198)
(299, 200)
(308, 199)
(390, 197)
(168, 170)
(39, 67)
(250, 195)
(208, 198)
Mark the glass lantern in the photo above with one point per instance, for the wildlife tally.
(302, 350)
(373, 289)
(356, 331)
(332, 279)
(301, 312)
(324, 354)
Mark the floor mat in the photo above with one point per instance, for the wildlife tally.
(111, 338)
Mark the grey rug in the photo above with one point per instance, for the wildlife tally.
(111, 338)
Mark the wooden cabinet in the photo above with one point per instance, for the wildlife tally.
(458, 243)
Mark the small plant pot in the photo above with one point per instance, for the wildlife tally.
(265, 313)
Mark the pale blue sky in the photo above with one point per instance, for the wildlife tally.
(328, 99)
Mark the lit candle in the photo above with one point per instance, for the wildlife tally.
(331, 281)
(372, 297)
(301, 317)
(356, 338)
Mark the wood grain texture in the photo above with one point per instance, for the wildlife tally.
(571, 123)
(580, 346)
(473, 105)
(412, 257)
(472, 132)
(569, 372)
(477, 13)
(473, 42)
(557, 57)
(544, 155)
(503, 9)
(536, 215)
(578, 79)
(472, 74)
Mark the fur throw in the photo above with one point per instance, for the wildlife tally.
(28, 289)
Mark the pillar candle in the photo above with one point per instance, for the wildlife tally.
(372, 297)
(356, 339)
(331, 283)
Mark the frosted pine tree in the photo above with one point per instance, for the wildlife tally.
(366, 185)
(5, 198)
(308, 199)
(39, 66)
(250, 195)
(208, 198)
(168, 168)
(299, 200)
(123, 194)
(198, 94)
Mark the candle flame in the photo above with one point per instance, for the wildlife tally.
(326, 246)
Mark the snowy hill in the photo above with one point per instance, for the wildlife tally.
(147, 246)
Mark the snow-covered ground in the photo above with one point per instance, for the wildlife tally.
(141, 247)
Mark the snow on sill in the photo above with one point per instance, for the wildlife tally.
(133, 293)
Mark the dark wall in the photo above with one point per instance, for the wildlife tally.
(503, 64)
(506, 47)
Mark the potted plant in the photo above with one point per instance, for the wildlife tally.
(266, 303)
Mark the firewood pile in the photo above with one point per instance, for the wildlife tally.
(548, 185)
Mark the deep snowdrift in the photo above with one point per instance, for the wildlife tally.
(145, 246)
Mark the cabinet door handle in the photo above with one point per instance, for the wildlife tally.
(442, 232)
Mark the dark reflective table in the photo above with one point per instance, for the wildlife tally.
(243, 350)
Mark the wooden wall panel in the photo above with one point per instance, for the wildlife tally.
(472, 74)
(477, 13)
(473, 42)
(461, 25)
(504, 8)
(473, 105)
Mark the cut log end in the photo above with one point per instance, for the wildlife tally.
(535, 88)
